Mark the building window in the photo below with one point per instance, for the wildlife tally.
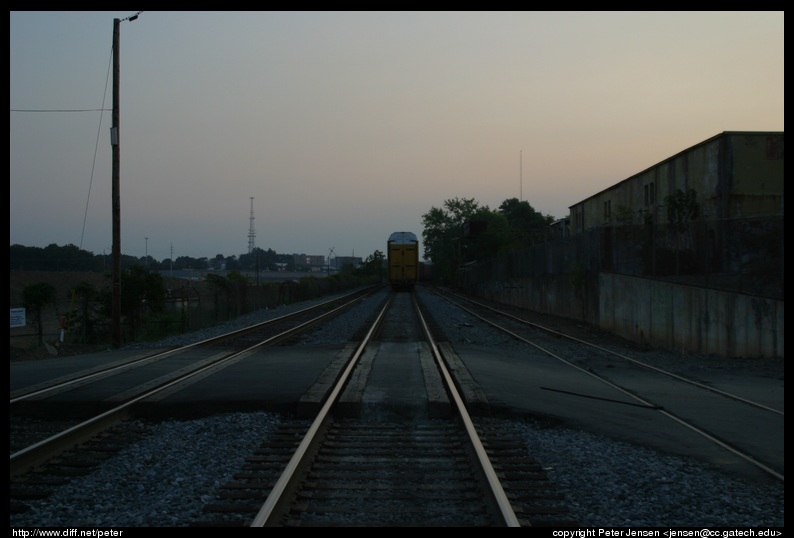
(650, 194)
(607, 209)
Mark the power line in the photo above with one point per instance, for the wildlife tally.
(60, 110)
(96, 147)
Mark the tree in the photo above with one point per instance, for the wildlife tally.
(492, 237)
(53, 258)
(142, 293)
(258, 259)
(448, 242)
(527, 225)
(187, 262)
(221, 285)
(239, 284)
(443, 234)
(682, 208)
(373, 265)
(36, 297)
(232, 263)
(86, 293)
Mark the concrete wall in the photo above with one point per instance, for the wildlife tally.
(574, 297)
(691, 319)
(666, 315)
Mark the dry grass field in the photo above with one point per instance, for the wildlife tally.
(24, 342)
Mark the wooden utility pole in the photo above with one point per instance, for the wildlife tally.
(115, 312)
(115, 309)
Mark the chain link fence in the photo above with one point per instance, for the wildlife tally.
(743, 255)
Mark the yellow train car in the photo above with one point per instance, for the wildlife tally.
(403, 260)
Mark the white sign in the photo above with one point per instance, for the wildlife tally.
(18, 317)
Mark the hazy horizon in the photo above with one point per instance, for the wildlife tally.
(347, 126)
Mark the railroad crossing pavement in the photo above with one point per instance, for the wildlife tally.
(547, 387)
(277, 379)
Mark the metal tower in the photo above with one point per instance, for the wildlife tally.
(251, 232)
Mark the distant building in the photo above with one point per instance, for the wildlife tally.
(306, 262)
(726, 194)
(734, 174)
(561, 228)
(342, 261)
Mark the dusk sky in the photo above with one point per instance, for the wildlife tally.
(347, 126)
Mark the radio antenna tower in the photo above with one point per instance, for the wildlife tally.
(251, 232)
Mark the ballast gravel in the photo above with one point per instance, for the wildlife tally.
(156, 482)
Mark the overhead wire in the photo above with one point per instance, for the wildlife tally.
(93, 167)
(96, 151)
(96, 145)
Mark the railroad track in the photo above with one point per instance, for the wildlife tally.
(365, 474)
(360, 414)
(375, 459)
(661, 389)
(353, 455)
(70, 463)
(270, 332)
(51, 447)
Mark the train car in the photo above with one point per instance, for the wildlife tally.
(403, 260)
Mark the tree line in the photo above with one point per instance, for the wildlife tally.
(459, 231)
(463, 231)
(144, 296)
(72, 258)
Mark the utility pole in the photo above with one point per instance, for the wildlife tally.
(115, 309)
(251, 232)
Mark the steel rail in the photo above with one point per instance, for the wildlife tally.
(117, 368)
(635, 361)
(496, 489)
(37, 453)
(276, 496)
(707, 435)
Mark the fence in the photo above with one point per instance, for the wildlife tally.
(191, 306)
(719, 284)
(743, 255)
